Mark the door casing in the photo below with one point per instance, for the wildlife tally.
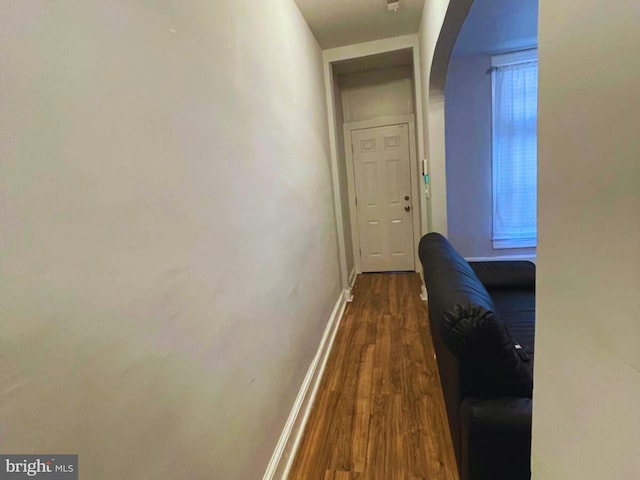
(351, 182)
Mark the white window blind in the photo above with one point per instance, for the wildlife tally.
(515, 105)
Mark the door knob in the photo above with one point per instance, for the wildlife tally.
(407, 208)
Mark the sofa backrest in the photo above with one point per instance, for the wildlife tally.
(506, 275)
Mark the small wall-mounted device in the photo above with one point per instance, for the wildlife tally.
(425, 174)
(393, 5)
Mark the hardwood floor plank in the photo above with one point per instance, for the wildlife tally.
(397, 466)
(340, 475)
(415, 457)
(379, 412)
(392, 298)
(396, 373)
(383, 356)
(377, 449)
(363, 409)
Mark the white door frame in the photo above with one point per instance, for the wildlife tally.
(356, 51)
(385, 121)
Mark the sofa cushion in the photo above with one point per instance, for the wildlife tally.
(517, 310)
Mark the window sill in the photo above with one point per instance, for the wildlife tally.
(515, 243)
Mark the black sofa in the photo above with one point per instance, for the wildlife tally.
(482, 319)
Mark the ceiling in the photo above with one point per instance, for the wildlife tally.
(495, 26)
(343, 22)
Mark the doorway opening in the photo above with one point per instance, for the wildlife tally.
(377, 120)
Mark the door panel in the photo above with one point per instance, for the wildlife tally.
(393, 182)
(381, 163)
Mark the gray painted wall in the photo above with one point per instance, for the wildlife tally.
(169, 253)
(586, 420)
(367, 95)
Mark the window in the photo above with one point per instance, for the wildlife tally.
(515, 106)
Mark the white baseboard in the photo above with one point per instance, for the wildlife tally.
(352, 277)
(352, 280)
(424, 295)
(347, 295)
(283, 455)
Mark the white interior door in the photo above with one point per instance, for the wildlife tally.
(382, 173)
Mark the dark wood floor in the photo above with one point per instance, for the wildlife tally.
(379, 413)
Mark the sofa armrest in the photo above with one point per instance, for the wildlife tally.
(506, 274)
(496, 438)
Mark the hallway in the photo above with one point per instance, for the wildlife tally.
(379, 412)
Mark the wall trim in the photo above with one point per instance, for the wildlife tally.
(364, 49)
(352, 277)
(287, 446)
(358, 50)
(424, 295)
(348, 296)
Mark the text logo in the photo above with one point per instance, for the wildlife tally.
(45, 467)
